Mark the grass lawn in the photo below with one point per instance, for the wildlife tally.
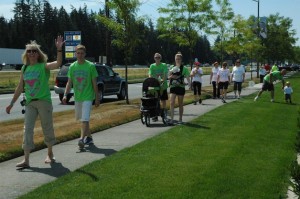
(241, 150)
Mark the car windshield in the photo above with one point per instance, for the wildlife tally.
(64, 70)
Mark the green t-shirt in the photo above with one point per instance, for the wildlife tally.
(82, 76)
(159, 71)
(276, 75)
(36, 79)
(185, 73)
(274, 68)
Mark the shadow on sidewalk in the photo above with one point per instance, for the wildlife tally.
(56, 170)
(94, 149)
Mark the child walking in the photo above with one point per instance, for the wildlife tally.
(288, 92)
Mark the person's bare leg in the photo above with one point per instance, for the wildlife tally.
(180, 105)
(50, 157)
(86, 129)
(172, 103)
(25, 162)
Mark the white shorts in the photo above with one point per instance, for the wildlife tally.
(83, 110)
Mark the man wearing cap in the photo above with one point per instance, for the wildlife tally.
(196, 74)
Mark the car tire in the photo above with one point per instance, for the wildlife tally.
(100, 94)
(122, 94)
(61, 96)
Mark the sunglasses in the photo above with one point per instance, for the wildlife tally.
(32, 51)
(156, 57)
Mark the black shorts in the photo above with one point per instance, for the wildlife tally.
(267, 86)
(223, 85)
(237, 86)
(177, 90)
(164, 95)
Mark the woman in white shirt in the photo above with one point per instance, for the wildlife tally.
(237, 77)
(213, 80)
(196, 74)
(223, 80)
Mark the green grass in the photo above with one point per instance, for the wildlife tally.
(241, 150)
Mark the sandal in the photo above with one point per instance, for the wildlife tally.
(50, 160)
(22, 165)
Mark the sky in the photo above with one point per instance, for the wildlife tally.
(285, 8)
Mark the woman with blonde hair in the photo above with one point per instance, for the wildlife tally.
(177, 74)
(34, 80)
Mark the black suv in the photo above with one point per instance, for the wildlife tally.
(108, 81)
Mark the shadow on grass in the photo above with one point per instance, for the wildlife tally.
(193, 125)
(92, 176)
(56, 170)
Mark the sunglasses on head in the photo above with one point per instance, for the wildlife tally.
(32, 51)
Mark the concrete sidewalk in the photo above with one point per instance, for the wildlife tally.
(15, 183)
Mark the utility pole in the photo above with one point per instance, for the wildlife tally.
(258, 31)
(108, 38)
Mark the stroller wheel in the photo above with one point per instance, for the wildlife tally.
(143, 118)
(164, 116)
(147, 120)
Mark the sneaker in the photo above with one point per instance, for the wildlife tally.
(88, 140)
(195, 103)
(200, 101)
(81, 143)
(239, 97)
(170, 123)
(223, 100)
(255, 99)
(180, 122)
(155, 119)
(272, 100)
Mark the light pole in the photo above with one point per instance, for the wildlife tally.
(258, 31)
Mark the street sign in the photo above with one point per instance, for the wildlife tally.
(73, 38)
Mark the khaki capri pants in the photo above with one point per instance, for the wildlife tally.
(43, 109)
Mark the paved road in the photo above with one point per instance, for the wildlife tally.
(134, 90)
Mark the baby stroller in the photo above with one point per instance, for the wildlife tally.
(150, 105)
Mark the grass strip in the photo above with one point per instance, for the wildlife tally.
(240, 150)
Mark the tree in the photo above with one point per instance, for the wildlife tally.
(244, 40)
(280, 39)
(183, 22)
(124, 29)
(220, 18)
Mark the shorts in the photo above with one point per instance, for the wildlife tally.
(164, 95)
(83, 110)
(237, 86)
(223, 85)
(177, 90)
(267, 86)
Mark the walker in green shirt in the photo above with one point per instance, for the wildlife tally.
(276, 75)
(159, 72)
(82, 76)
(36, 78)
